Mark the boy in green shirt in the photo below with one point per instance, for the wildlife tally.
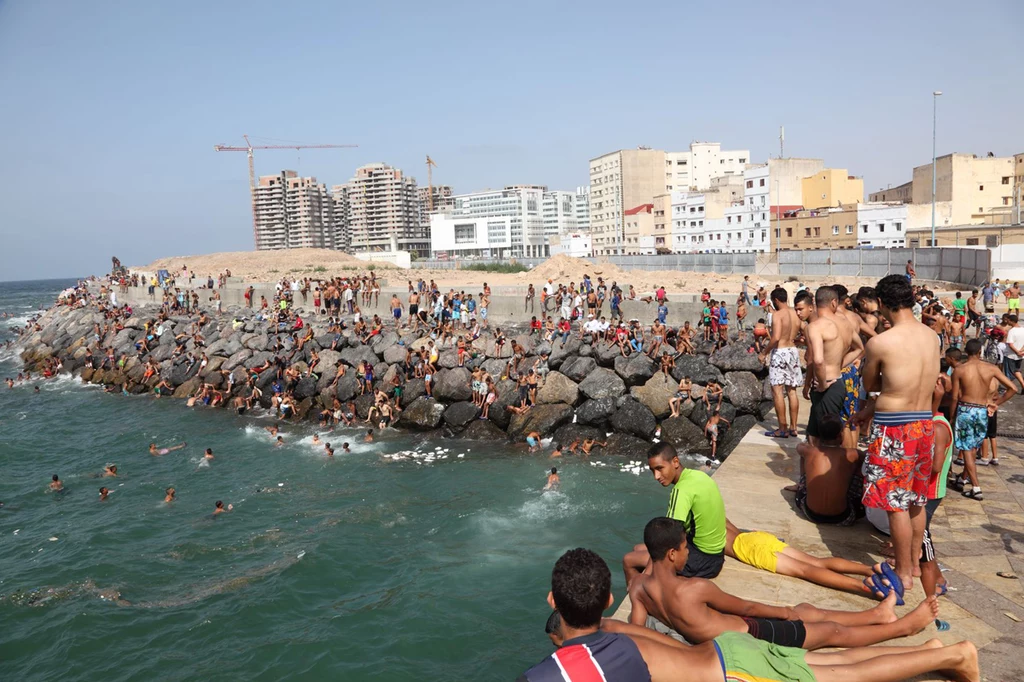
(696, 501)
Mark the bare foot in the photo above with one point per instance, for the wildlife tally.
(792, 488)
(918, 619)
(886, 609)
(967, 669)
(886, 550)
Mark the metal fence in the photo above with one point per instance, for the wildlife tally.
(968, 267)
(725, 263)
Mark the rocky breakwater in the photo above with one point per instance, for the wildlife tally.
(590, 392)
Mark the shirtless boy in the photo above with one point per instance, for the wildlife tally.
(155, 451)
(700, 611)
(901, 368)
(973, 407)
(553, 480)
(682, 395)
(784, 371)
(590, 648)
(832, 346)
(830, 485)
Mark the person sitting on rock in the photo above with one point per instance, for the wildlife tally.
(668, 363)
(588, 444)
(713, 394)
(682, 395)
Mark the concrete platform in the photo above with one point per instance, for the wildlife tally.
(974, 541)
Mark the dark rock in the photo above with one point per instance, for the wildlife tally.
(363, 404)
(632, 417)
(258, 359)
(482, 429)
(458, 415)
(508, 394)
(734, 357)
(686, 436)
(585, 351)
(383, 341)
(423, 413)
(411, 390)
(395, 354)
(699, 415)
(453, 385)
(238, 359)
(256, 342)
(565, 435)
(558, 388)
(449, 358)
(602, 383)
(606, 355)
(347, 386)
(732, 437)
(578, 368)
(543, 419)
(560, 353)
(656, 393)
(635, 369)
(743, 390)
(626, 446)
(697, 368)
(595, 412)
(187, 388)
(306, 388)
(353, 356)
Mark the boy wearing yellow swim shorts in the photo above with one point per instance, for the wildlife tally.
(765, 551)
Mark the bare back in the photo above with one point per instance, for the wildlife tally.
(903, 363)
(829, 470)
(680, 607)
(785, 327)
(972, 381)
(829, 339)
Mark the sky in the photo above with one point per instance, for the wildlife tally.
(111, 109)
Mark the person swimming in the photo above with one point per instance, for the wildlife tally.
(280, 442)
(208, 455)
(55, 483)
(553, 480)
(169, 495)
(316, 439)
(109, 471)
(344, 448)
(369, 436)
(104, 493)
(219, 508)
(155, 451)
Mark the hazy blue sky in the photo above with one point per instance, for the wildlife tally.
(111, 109)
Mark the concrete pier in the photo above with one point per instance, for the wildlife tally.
(974, 542)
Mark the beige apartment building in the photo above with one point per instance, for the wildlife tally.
(827, 228)
(383, 205)
(831, 187)
(969, 190)
(638, 231)
(620, 181)
(662, 225)
(442, 201)
(293, 212)
(342, 236)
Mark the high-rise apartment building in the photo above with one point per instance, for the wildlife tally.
(293, 212)
(342, 235)
(559, 211)
(442, 201)
(383, 205)
(620, 181)
(583, 209)
(694, 170)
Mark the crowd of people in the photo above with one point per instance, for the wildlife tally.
(916, 409)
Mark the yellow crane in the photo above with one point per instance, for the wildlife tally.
(430, 184)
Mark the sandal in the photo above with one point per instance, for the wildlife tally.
(793, 433)
(777, 433)
(1007, 575)
(880, 589)
(973, 494)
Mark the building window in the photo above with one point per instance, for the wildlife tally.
(750, 184)
(777, 235)
(972, 241)
(762, 182)
(739, 219)
(807, 232)
(881, 227)
(981, 188)
(899, 227)
(789, 231)
(764, 235)
(817, 232)
(864, 229)
(729, 220)
(1006, 179)
(743, 160)
(991, 240)
(835, 230)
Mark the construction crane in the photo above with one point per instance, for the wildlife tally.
(248, 149)
(430, 184)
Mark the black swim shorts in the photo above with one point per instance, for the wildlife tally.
(701, 565)
(829, 401)
(775, 631)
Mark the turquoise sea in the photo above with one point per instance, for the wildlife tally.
(356, 568)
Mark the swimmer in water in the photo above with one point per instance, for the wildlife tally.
(208, 454)
(557, 452)
(272, 430)
(104, 493)
(155, 451)
(110, 471)
(328, 449)
(533, 441)
(55, 483)
(316, 439)
(369, 436)
(169, 495)
(280, 442)
(553, 480)
(219, 508)
(344, 448)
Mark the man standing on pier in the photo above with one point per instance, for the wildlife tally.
(833, 345)
(784, 371)
(900, 371)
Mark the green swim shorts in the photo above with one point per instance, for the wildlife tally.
(745, 659)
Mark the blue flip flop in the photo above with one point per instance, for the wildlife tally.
(894, 580)
(941, 625)
(881, 588)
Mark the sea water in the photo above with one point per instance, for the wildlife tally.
(398, 561)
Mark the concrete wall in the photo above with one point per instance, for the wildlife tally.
(725, 263)
(967, 267)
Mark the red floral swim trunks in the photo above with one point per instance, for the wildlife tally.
(899, 461)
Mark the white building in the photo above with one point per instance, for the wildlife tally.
(881, 225)
(695, 169)
(575, 244)
(559, 211)
(583, 208)
(492, 224)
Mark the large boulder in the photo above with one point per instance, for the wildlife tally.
(558, 388)
(565, 435)
(237, 360)
(395, 354)
(626, 446)
(449, 358)
(697, 368)
(735, 357)
(452, 385)
(560, 353)
(482, 429)
(188, 388)
(635, 369)
(699, 415)
(633, 417)
(686, 436)
(743, 390)
(353, 356)
(306, 388)
(347, 386)
(508, 394)
(655, 394)
(459, 414)
(258, 359)
(605, 354)
(602, 383)
(732, 437)
(595, 412)
(423, 413)
(328, 361)
(411, 390)
(578, 368)
(383, 341)
(256, 342)
(544, 419)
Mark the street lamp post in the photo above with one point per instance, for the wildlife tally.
(935, 99)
